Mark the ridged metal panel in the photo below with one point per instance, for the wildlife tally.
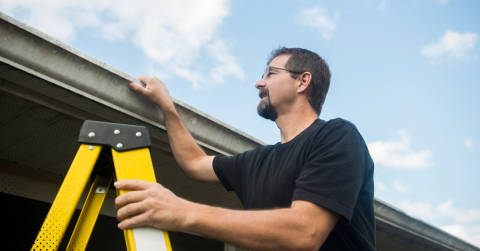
(28, 123)
(41, 140)
(48, 158)
(38, 137)
(10, 105)
(15, 185)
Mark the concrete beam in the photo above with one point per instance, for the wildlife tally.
(393, 220)
(78, 80)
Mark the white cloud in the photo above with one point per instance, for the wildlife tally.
(452, 46)
(459, 215)
(469, 143)
(382, 6)
(380, 186)
(466, 221)
(399, 186)
(418, 209)
(317, 19)
(173, 35)
(397, 154)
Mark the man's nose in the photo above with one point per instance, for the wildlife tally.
(260, 84)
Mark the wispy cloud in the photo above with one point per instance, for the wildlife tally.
(466, 221)
(419, 209)
(399, 186)
(469, 143)
(173, 35)
(452, 46)
(382, 6)
(317, 19)
(397, 154)
(459, 215)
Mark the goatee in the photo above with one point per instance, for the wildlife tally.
(265, 108)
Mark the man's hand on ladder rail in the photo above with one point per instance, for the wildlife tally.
(150, 204)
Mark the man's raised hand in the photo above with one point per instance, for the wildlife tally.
(154, 90)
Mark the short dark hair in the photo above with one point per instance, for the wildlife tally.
(302, 60)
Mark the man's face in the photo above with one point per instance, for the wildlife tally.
(276, 90)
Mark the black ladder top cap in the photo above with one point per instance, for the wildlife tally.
(121, 137)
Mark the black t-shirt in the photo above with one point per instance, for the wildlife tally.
(327, 164)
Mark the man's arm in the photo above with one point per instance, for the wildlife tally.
(189, 156)
(303, 226)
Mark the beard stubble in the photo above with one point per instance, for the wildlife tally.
(265, 108)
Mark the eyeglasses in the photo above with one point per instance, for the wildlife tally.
(265, 72)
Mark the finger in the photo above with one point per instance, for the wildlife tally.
(138, 88)
(144, 79)
(131, 210)
(137, 221)
(130, 197)
(133, 185)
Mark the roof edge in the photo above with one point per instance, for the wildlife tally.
(91, 77)
(396, 217)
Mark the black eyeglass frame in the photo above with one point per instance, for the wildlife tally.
(265, 72)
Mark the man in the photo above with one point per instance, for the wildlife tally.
(311, 191)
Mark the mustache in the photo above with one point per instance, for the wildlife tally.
(263, 92)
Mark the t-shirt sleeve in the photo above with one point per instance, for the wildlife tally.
(333, 173)
(227, 169)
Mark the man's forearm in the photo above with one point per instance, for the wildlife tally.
(184, 147)
(303, 226)
(182, 143)
(276, 229)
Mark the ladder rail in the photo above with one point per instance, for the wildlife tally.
(90, 211)
(55, 225)
(137, 164)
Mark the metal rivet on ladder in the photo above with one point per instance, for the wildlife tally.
(90, 147)
(138, 134)
(91, 135)
(119, 145)
(116, 131)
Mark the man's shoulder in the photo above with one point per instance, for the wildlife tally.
(332, 126)
(260, 150)
(340, 122)
(335, 134)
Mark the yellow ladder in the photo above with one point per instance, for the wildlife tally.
(131, 159)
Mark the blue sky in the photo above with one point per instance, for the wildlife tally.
(406, 73)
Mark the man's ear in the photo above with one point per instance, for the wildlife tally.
(304, 82)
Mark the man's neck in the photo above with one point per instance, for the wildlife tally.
(295, 121)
